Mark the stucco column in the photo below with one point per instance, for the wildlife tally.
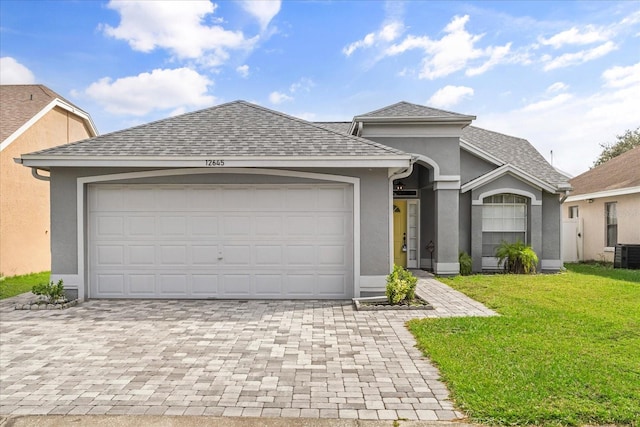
(536, 230)
(447, 231)
(476, 237)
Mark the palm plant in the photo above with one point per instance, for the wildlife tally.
(517, 257)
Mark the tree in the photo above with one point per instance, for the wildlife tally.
(625, 142)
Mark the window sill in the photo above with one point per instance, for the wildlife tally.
(610, 249)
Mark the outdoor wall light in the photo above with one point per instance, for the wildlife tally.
(399, 185)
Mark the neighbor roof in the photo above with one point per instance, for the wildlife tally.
(515, 151)
(405, 109)
(235, 129)
(620, 172)
(21, 103)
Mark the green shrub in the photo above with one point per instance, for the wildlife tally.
(50, 292)
(517, 258)
(466, 264)
(401, 285)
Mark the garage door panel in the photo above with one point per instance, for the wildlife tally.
(226, 241)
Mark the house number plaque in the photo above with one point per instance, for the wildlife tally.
(213, 163)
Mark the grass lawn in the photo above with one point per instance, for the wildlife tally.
(15, 285)
(565, 350)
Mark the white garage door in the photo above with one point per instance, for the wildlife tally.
(223, 241)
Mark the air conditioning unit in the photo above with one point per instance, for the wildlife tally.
(627, 256)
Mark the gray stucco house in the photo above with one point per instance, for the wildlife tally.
(239, 201)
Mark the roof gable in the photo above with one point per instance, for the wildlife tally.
(405, 109)
(22, 105)
(236, 129)
(620, 172)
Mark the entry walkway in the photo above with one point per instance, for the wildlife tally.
(301, 359)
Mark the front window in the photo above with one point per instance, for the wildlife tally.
(504, 218)
(611, 220)
(573, 212)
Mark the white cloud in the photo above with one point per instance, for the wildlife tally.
(455, 51)
(14, 73)
(262, 10)
(304, 84)
(576, 58)
(557, 87)
(388, 33)
(168, 89)
(622, 76)
(243, 70)
(548, 103)
(449, 96)
(279, 97)
(574, 36)
(178, 27)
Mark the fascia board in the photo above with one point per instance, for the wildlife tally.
(96, 161)
(501, 171)
(57, 102)
(605, 193)
(470, 148)
(452, 120)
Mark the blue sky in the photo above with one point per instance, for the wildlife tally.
(564, 75)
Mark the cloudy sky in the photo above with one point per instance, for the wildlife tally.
(564, 75)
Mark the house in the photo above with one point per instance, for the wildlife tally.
(32, 117)
(603, 209)
(239, 201)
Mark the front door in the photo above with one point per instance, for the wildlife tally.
(405, 233)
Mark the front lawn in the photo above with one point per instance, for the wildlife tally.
(565, 350)
(15, 285)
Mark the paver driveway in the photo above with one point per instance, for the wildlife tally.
(229, 358)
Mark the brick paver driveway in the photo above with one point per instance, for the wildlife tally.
(229, 358)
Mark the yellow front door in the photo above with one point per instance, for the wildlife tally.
(400, 232)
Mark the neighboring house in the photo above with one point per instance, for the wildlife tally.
(603, 209)
(239, 201)
(32, 117)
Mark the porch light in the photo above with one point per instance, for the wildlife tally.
(399, 185)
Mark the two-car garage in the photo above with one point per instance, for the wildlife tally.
(199, 241)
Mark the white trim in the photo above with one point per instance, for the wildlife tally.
(470, 148)
(605, 193)
(531, 196)
(436, 168)
(373, 283)
(417, 237)
(447, 268)
(41, 161)
(83, 281)
(551, 264)
(503, 170)
(459, 119)
(446, 185)
(57, 102)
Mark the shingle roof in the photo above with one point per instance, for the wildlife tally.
(620, 172)
(342, 127)
(234, 129)
(19, 103)
(407, 109)
(515, 151)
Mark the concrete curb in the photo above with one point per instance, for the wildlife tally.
(197, 421)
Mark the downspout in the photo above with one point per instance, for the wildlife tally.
(36, 175)
(399, 175)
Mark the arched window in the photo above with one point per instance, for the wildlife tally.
(504, 218)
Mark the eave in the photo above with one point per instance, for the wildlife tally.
(511, 170)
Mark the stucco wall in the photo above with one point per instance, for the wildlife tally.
(472, 167)
(374, 205)
(24, 207)
(592, 216)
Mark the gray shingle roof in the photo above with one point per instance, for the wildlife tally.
(407, 109)
(234, 129)
(342, 127)
(620, 172)
(515, 151)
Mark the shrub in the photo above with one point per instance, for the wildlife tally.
(517, 258)
(466, 264)
(50, 292)
(401, 285)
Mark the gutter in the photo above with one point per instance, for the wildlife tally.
(34, 171)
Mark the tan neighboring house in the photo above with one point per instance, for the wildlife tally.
(603, 209)
(32, 118)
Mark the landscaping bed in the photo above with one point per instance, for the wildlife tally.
(44, 305)
(382, 303)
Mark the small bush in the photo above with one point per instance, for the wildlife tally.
(50, 292)
(401, 285)
(517, 258)
(466, 264)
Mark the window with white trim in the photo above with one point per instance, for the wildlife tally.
(611, 221)
(573, 212)
(504, 218)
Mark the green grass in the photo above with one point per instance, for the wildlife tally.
(16, 285)
(565, 350)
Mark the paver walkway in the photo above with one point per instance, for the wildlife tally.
(224, 358)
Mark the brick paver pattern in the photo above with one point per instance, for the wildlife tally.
(224, 358)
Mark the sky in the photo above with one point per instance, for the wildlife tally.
(563, 74)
